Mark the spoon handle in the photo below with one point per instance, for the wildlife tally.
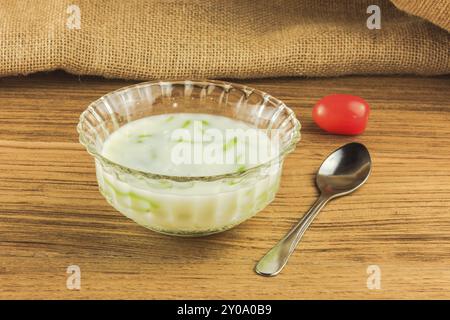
(275, 260)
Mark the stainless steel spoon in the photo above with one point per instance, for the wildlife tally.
(344, 171)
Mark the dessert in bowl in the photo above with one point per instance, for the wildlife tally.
(188, 157)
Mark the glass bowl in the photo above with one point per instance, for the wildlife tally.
(188, 205)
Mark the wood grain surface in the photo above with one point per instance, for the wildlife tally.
(52, 215)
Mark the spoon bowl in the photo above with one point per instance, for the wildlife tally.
(344, 171)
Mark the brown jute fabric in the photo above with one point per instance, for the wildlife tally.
(138, 39)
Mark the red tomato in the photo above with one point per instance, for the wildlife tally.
(342, 114)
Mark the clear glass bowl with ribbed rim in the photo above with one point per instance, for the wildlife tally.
(187, 205)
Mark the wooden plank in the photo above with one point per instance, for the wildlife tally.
(52, 215)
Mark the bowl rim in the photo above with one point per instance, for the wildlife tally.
(295, 138)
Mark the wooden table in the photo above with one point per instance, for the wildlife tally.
(52, 215)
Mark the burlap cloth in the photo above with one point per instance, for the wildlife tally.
(224, 38)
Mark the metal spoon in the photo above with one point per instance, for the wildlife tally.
(344, 171)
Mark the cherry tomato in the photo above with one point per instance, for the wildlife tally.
(341, 114)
